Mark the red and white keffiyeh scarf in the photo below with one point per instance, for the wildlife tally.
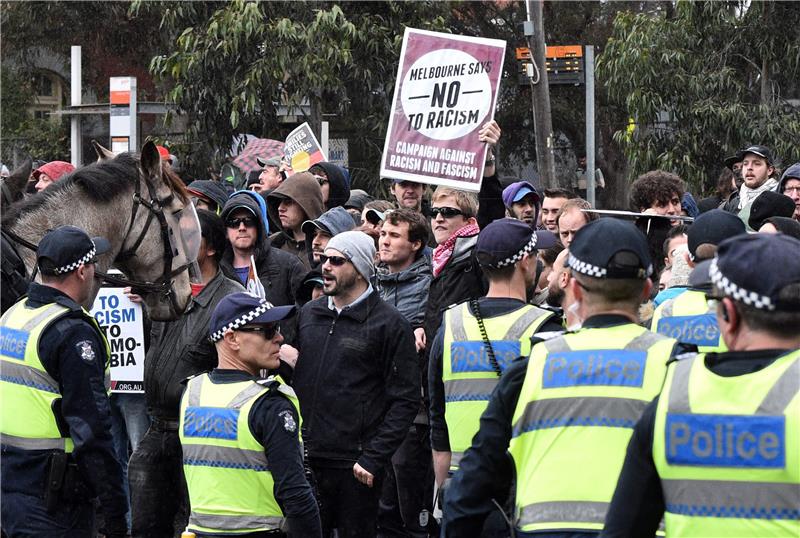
(443, 252)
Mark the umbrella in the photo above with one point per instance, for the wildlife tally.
(263, 148)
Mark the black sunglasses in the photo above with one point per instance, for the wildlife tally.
(267, 331)
(334, 260)
(446, 212)
(321, 180)
(250, 222)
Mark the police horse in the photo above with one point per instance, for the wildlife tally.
(144, 213)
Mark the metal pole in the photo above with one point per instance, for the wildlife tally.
(324, 138)
(590, 150)
(76, 140)
(133, 142)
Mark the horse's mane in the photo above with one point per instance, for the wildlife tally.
(101, 181)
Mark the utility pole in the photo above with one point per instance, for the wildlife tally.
(540, 96)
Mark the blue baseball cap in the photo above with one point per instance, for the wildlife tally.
(240, 309)
(65, 248)
(519, 190)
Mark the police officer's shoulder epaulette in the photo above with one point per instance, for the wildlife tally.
(185, 381)
(681, 357)
(545, 336)
(66, 302)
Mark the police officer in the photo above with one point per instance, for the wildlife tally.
(57, 451)
(565, 415)
(478, 340)
(240, 434)
(687, 317)
(716, 453)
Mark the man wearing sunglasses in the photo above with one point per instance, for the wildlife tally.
(715, 454)
(240, 433)
(334, 181)
(57, 450)
(245, 217)
(357, 378)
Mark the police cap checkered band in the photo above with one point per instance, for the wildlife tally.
(504, 242)
(74, 265)
(759, 270)
(735, 292)
(240, 309)
(585, 268)
(527, 249)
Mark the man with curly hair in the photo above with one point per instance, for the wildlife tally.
(658, 192)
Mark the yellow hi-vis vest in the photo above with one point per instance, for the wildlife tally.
(27, 391)
(582, 395)
(688, 319)
(727, 450)
(231, 490)
(468, 375)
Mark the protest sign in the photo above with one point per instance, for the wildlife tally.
(446, 90)
(302, 149)
(122, 322)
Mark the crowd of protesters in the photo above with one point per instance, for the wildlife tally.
(385, 294)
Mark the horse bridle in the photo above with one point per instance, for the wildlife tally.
(162, 285)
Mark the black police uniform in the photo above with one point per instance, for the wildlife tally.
(86, 419)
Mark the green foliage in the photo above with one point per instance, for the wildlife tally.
(233, 64)
(703, 83)
(15, 97)
(40, 138)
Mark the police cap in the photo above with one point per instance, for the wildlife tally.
(240, 309)
(65, 248)
(754, 269)
(610, 248)
(504, 242)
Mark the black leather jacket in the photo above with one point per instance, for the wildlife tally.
(181, 348)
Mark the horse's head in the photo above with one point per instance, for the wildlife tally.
(162, 241)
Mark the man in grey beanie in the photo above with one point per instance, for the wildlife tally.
(357, 379)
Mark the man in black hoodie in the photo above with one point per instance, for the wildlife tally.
(295, 201)
(334, 182)
(244, 215)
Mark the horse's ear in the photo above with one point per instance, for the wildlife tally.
(151, 160)
(102, 153)
(19, 177)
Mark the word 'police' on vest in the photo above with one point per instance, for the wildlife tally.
(472, 356)
(699, 330)
(725, 440)
(211, 422)
(612, 367)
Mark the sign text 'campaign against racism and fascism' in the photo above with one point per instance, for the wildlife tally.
(122, 322)
(446, 89)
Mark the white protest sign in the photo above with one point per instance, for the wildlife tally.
(302, 149)
(122, 321)
(446, 90)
